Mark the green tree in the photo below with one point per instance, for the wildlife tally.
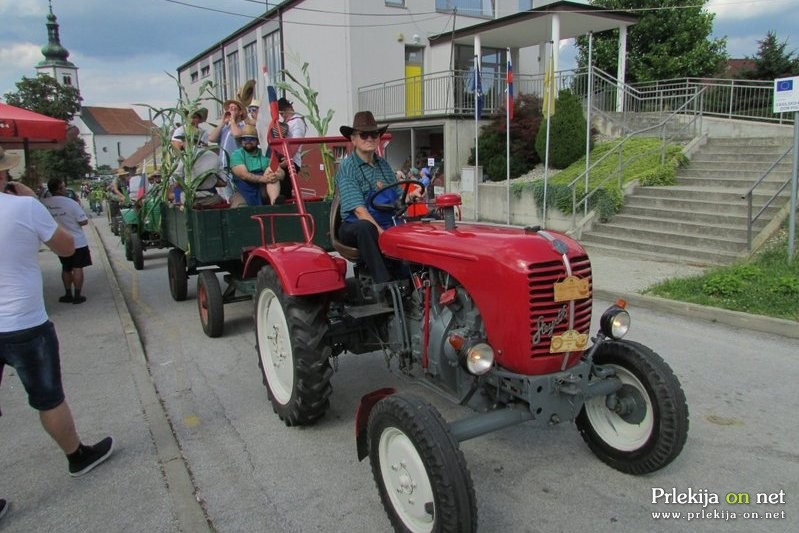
(44, 95)
(566, 132)
(671, 40)
(772, 60)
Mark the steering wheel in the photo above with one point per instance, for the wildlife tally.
(399, 207)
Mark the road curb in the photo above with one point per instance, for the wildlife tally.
(737, 319)
(188, 511)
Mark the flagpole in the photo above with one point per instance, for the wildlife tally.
(548, 111)
(508, 110)
(477, 178)
(588, 122)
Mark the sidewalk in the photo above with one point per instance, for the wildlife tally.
(109, 391)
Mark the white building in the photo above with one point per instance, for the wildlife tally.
(408, 61)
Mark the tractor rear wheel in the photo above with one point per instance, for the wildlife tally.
(643, 426)
(128, 247)
(419, 469)
(136, 250)
(289, 331)
(176, 270)
(210, 304)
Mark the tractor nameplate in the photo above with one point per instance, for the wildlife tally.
(568, 341)
(571, 288)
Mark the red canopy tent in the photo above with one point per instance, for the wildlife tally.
(26, 130)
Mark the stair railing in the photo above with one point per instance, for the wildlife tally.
(749, 197)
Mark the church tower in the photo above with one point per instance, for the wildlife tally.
(55, 62)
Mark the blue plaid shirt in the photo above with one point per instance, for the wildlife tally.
(357, 180)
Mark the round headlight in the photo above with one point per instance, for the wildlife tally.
(479, 359)
(615, 322)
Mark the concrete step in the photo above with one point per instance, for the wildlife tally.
(701, 163)
(700, 206)
(593, 247)
(713, 194)
(696, 217)
(666, 237)
(683, 226)
(739, 157)
(674, 253)
(731, 183)
(749, 141)
(729, 170)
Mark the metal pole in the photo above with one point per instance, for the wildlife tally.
(588, 122)
(792, 218)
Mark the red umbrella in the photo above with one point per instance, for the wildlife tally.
(26, 130)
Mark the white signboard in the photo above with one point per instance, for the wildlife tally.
(786, 95)
(431, 162)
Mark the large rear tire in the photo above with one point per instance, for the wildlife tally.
(289, 331)
(137, 251)
(210, 304)
(648, 425)
(178, 278)
(128, 247)
(419, 469)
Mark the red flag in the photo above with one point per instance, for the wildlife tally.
(510, 89)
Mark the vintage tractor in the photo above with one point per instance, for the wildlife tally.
(141, 226)
(496, 317)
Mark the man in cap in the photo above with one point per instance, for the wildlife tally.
(359, 176)
(251, 172)
(197, 118)
(28, 341)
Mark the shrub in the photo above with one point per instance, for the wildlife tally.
(567, 132)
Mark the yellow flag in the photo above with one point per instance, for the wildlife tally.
(549, 91)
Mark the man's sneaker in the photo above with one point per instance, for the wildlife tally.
(87, 457)
(4, 505)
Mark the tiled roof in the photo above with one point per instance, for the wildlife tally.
(114, 121)
(145, 153)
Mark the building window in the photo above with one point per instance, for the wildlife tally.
(205, 71)
(250, 62)
(219, 84)
(67, 79)
(233, 73)
(469, 8)
(274, 59)
(195, 76)
(395, 3)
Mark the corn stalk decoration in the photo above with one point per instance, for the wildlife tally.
(307, 95)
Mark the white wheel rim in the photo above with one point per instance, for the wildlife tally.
(611, 427)
(274, 346)
(405, 479)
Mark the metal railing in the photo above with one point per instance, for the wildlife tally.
(749, 197)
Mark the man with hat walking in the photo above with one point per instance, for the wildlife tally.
(359, 176)
(28, 341)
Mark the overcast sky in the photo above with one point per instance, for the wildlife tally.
(123, 48)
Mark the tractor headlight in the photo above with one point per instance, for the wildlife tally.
(615, 322)
(479, 358)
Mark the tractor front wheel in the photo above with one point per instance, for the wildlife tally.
(210, 304)
(419, 469)
(176, 270)
(136, 250)
(128, 247)
(289, 331)
(643, 426)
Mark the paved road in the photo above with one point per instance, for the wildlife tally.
(253, 473)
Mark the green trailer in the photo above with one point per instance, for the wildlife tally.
(206, 241)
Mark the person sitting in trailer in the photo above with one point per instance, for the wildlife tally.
(252, 175)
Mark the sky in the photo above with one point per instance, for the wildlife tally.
(124, 48)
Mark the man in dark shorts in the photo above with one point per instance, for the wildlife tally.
(70, 216)
(28, 341)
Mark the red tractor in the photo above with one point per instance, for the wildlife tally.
(497, 318)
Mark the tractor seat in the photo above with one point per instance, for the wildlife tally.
(347, 252)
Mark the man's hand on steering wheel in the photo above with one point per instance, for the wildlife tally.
(401, 205)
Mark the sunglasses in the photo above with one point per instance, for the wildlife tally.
(368, 134)
(249, 139)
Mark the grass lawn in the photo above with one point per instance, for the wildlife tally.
(766, 284)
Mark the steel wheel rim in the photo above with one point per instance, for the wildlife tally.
(612, 428)
(274, 346)
(405, 480)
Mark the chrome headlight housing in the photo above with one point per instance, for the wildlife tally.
(479, 358)
(615, 322)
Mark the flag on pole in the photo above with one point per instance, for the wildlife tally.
(272, 131)
(510, 89)
(478, 90)
(549, 90)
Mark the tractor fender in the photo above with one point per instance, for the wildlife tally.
(129, 216)
(368, 401)
(303, 269)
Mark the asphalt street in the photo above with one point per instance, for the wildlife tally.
(197, 439)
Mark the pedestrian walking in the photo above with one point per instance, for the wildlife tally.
(71, 217)
(28, 340)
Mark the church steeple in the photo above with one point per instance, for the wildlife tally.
(55, 61)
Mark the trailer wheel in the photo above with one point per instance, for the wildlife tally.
(178, 278)
(419, 469)
(210, 304)
(642, 427)
(295, 365)
(128, 247)
(137, 251)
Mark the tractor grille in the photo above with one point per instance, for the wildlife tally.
(548, 317)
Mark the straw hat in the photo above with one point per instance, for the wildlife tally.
(242, 109)
(363, 121)
(201, 113)
(8, 161)
(122, 172)
(248, 131)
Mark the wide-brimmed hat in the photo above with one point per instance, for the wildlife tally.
(255, 103)
(122, 172)
(362, 121)
(201, 113)
(8, 161)
(248, 131)
(242, 108)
